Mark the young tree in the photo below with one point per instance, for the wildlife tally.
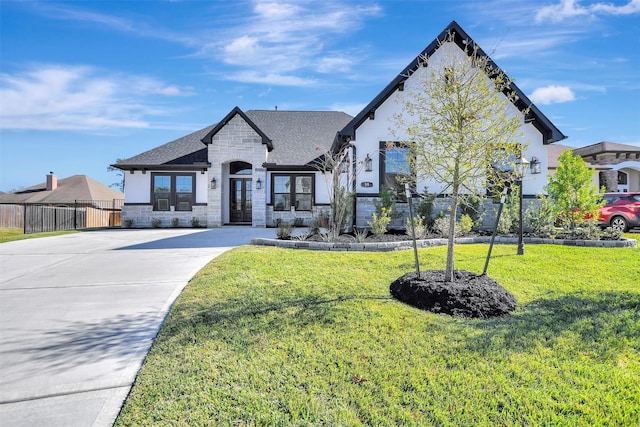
(458, 125)
(120, 174)
(335, 166)
(575, 198)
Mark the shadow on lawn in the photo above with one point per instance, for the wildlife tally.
(598, 324)
(265, 316)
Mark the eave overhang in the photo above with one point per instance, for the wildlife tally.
(190, 167)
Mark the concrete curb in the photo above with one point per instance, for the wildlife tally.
(407, 244)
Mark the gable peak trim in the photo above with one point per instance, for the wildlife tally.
(208, 138)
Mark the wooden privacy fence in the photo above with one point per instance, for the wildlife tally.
(40, 217)
(11, 216)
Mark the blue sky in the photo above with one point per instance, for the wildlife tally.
(83, 83)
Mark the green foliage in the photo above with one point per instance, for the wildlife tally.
(276, 337)
(386, 201)
(418, 225)
(284, 230)
(471, 205)
(361, 234)
(425, 208)
(175, 222)
(611, 233)
(156, 222)
(541, 218)
(465, 224)
(314, 226)
(380, 221)
(195, 222)
(575, 198)
(12, 234)
(510, 217)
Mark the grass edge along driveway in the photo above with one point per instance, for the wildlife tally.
(268, 336)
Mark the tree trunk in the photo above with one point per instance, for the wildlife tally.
(448, 274)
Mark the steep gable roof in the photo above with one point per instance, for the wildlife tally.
(535, 116)
(68, 190)
(184, 152)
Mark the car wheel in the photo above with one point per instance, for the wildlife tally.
(619, 222)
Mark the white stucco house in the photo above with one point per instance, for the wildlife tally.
(257, 167)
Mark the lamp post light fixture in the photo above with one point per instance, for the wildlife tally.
(213, 183)
(259, 184)
(522, 166)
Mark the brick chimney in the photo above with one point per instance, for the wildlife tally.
(52, 182)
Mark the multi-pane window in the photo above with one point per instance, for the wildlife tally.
(173, 190)
(184, 192)
(161, 192)
(397, 169)
(292, 190)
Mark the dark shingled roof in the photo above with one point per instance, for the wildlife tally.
(293, 138)
(298, 137)
(76, 187)
(185, 151)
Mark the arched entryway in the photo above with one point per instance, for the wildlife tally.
(241, 193)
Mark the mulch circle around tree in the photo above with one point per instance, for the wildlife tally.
(470, 295)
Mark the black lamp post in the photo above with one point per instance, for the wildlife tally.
(522, 166)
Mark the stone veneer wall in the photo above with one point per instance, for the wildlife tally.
(143, 216)
(610, 180)
(236, 141)
(366, 208)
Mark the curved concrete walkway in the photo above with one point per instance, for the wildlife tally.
(78, 314)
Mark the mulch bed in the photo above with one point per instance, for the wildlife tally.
(470, 295)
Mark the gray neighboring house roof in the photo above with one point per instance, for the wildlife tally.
(293, 139)
(68, 190)
(630, 151)
(187, 151)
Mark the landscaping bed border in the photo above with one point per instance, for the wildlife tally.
(427, 243)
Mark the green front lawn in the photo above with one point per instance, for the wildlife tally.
(267, 336)
(11, 234)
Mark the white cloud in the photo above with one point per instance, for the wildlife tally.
(60, 97)
(251, 76)
(85, 17)
(572, 8)
(282, 40)
(552, 95)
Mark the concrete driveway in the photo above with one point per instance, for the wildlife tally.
(78, 314)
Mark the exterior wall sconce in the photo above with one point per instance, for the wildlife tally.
(535, 166)
(343, 167)
(368, 163)
(213, 183)
(259, 184)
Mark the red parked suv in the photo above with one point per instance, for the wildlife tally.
(621, 211)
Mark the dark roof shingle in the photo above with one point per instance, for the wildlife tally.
(298, 137)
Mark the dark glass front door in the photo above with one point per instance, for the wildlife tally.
(241, 200)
